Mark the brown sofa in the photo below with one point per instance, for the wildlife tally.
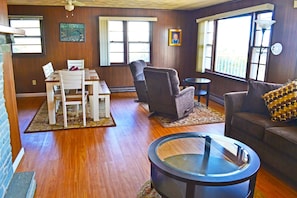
(247, 119)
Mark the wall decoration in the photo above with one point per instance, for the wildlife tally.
(174, 37)
(72, 32)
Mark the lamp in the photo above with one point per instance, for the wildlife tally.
(264, 25)
(69, 7)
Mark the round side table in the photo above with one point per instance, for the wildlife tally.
(198, 83)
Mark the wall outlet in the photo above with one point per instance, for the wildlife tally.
(295, 4)
(34, 82)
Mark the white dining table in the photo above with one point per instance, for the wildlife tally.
(91, 80)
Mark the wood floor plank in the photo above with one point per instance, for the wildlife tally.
(107, 162)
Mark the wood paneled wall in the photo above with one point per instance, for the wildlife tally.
(28, 68)
(281, 68)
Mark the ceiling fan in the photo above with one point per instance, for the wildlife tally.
(71, 3)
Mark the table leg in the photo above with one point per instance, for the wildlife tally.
(207, 94)
(252, 185)
(190, 191)
(198, 92)
(107, 105)
(95, 101)
(50, 103)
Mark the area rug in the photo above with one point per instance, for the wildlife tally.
(147, 192)
(200, 115)
(41, 123)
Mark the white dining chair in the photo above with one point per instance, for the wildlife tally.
(80, 64)
(48, 69)
(73, 80)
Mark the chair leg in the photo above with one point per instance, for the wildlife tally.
(65, 115)
(77, 110)
(57, 105)
(84, 113)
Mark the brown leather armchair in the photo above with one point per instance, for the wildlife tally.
(136, 68)
(164, 94)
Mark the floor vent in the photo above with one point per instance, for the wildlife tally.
(22, 185)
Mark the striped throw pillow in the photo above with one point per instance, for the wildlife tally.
(282, 102)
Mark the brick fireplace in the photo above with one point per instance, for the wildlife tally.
(12, 185)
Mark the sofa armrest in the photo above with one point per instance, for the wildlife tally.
(233, 102)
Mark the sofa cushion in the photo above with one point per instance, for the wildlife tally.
(282, 138)
(254, 102)
(282, 102)
(254, 124)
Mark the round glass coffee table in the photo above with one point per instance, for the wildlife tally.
(202, 165)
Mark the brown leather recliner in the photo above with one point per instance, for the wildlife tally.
(164, 94)
(136, 68)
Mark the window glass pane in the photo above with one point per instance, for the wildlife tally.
(138, 31)
(266, 38)
(23, 23)
(115, 26)
(116, 57)
(32, 31)
(255, 55)
(116, 47)
(27, 41)
(253, 71)
(261, 72)
(232, 46)
(116, 36)
(26, 49)
(209, 34)
(136, 36)
(265, 16)
(139, 47)
(139, 56)
(138, 26)
(207, 63)
(115, 31)
(208, 51)
(116, 39)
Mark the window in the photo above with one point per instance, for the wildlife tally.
(31, 42)
(233, 46)
(125, 39)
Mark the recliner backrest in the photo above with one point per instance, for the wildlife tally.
(172, 76)
(136, 68)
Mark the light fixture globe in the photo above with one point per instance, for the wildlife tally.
(69, 7)
(265, 24)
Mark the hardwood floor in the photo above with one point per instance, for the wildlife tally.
(107, 162)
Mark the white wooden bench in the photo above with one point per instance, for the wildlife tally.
(104, 96)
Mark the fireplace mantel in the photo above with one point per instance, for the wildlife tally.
(10, 30)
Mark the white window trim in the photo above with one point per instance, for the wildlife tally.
(103, 34)
(201, 43)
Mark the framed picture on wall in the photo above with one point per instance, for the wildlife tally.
(72, 32)
(174, 37)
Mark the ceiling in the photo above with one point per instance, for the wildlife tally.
(147, 4)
